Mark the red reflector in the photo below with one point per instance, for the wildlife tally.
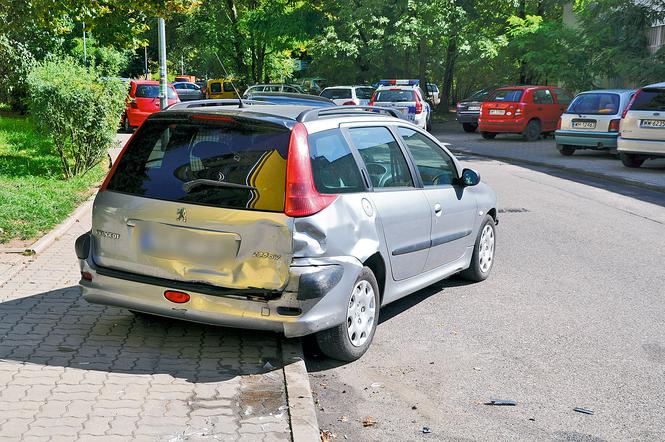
(177, 297)
(86, 276)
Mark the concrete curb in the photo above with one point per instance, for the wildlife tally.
(45, 241)
(304, 425)
(518, 161)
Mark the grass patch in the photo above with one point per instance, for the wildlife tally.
(33, 195)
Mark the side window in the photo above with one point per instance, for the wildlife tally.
(383, 158)
(563, 97)
(333, 166)
(542, 96)
(228, 86)
(436, 168)
(272, 89)
(289, 89)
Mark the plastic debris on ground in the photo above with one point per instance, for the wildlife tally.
(369, 421)
(583, 410)
(508, 402)
(427, 430)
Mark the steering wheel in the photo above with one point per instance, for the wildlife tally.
(442, 176)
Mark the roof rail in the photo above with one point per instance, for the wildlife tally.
(315, 114)
(214, 102)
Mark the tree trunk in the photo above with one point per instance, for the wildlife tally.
(237, 38)
(521, 12)
(449, 71)
(422, 66)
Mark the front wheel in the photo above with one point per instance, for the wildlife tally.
(350, 340)
(630, 160)
(469, 127)
(565, 150)
(482, 259)
(488, 135)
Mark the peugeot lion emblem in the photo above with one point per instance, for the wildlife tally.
(182, 215)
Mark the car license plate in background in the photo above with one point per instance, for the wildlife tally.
(653, 124)
(474, 108)
(497, 112)
(584, 124)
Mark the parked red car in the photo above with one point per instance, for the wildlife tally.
(143, 100)
(526, 110)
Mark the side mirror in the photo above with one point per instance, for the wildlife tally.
(470, 177)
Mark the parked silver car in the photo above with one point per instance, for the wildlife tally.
(642, 130)
(284, 218)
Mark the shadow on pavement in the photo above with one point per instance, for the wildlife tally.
(59, 328)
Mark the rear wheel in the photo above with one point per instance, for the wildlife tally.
(630, 160)
(126, 127)
(482, 260)
(565, 149)
(469, 127)
(488, 135)
(532, 131)
(350, 340)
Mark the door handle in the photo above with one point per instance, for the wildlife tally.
(438, 210)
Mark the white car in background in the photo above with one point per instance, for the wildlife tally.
(407, 97)
(349, 95)
(642, 129)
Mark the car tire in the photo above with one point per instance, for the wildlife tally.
(469, 127)
(351, 339)
(428, 125)
(488, 135)
(482, 259)
(631, 160)
(532, 131)
(126, 127)
(565, 149)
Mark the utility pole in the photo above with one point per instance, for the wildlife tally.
(145, 56)
(85, 48)
(161, 37)
(182, 65)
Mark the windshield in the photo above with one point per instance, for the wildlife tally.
(595, 104)
(480, 95)
(395, 95)
(152, 91)
(649, 99)
(336, 94)
(364, 93)
(246, 163)
(506, 95)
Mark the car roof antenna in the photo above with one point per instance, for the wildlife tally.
(240, 103)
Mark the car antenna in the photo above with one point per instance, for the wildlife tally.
(240, 103)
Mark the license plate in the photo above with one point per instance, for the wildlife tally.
(181, 244)
(653, 124)
(474, 108)
(497, 112)
(584, 124)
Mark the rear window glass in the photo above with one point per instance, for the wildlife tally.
(333, 166)
(595, 104)
(215, 88)
(506, 95)
(234, 165)
(649, 99)
(478, 96)
(396, 95)
(364, 93)
(152, 91)
(336, 94)
(228, 86)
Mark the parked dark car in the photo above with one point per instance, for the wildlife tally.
(188, 91)
(292, 99)
(468, 109)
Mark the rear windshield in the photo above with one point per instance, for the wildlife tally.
(333, 166)
(336, 94)
(222, 164)
(432, 88)
(595, 104)
(364, 93)
(649, 99)
(152, 91)
(480, 95)
(215, 88)
(507, 95)
(395, 95)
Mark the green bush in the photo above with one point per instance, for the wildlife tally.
(77, 109)
(16, 61)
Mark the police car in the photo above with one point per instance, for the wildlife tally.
(407, 97)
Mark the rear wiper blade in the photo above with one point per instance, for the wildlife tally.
(189, 185)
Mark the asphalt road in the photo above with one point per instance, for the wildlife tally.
(573, 315)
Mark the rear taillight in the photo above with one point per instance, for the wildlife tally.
(115, 164)
(520, 110)
(419, 104)
(349, 103)
(614, 125)
(302, 198)
(630, 103)
(558, 124)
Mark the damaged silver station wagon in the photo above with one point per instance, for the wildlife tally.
(283, 218)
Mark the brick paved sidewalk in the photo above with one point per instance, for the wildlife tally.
(74, 371)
